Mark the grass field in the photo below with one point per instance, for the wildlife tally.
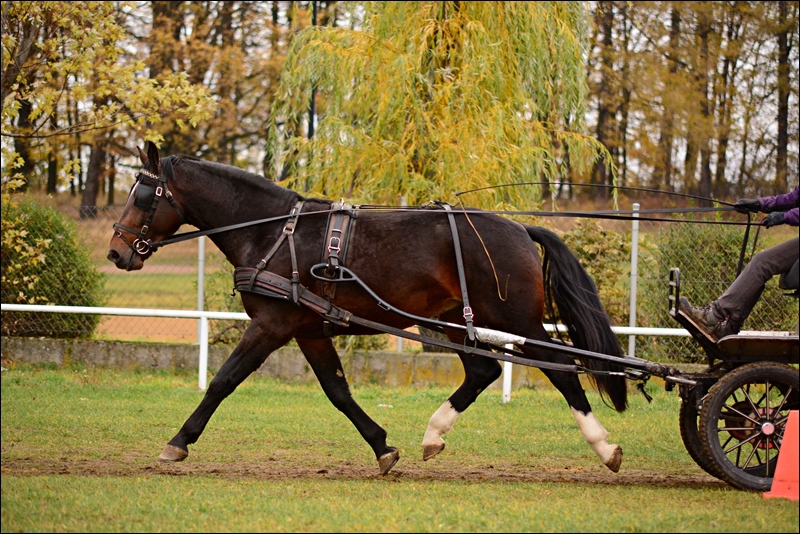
(79, 450)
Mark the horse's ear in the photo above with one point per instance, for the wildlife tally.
(152, 157)
(142, 155)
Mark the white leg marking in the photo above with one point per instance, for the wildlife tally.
(595, 435)
(441, 423)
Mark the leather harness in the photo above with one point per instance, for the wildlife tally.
(341, 223)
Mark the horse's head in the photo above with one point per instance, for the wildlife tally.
(145, 220)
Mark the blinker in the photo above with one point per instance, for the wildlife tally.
(145, 193)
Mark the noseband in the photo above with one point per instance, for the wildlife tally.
(149, 189)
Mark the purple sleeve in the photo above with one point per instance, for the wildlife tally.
(782, 203)
(791, 216)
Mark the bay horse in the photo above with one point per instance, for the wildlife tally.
(407, 254)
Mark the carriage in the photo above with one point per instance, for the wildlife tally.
(309, 271)
(734, 414)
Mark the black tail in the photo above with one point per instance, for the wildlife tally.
(575, 294)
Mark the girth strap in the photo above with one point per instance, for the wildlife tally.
(288, 232)
(250, 279)
(468, 315)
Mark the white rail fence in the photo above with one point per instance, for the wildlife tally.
(204, 316)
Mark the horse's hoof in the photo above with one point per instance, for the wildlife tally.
(615, 461)
(431, 449)
(387, 461)
(172, 453)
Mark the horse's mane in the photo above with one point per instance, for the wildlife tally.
(235, 174)
(223, 171)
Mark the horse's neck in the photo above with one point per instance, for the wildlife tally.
(212, 202)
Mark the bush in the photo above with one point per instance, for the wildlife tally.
(606, 256)
(43, 262)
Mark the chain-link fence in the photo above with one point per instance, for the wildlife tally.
(707, 254)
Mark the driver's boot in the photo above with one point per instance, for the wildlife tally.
(708, 320)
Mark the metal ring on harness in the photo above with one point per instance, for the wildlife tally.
(141, 246)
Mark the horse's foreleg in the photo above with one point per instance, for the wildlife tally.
(325, 362)
(479, 372)
(249, 354)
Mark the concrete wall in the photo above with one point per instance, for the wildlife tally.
(416, 369)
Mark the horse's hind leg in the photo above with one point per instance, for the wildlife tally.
(480, 372)
(570, 387)
(325, 362)
(249, 354)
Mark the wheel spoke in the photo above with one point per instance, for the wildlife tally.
(755, 406)
(746, 463)
(786, 395)
(725, 443)
(733, 409)
(765, 462)
(764, 395)
(740, 443)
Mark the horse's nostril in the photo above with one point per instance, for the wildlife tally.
(113, 256)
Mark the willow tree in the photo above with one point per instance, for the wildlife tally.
(425, 99)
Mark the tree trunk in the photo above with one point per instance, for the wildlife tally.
(52, 172)
(52, 162)
(704, 186)
(662, 174)
(605, 18)
(781, 151)
(112, 175)
(22, 145)
(164, 50)
(166, 22)
(625, 85)
(97, 161)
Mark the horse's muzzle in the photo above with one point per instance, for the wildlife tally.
(127, 262)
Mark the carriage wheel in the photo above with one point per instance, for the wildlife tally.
(688, 421)
(742, 421)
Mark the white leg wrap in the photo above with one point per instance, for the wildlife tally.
(595, 435)
(441, 423)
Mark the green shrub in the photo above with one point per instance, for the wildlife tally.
(606, 256)
(706, 255)
(43, 262)
(219, 296)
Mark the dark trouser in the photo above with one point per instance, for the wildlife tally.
(739, 299)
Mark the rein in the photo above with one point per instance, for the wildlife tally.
(141, 245)
(589, 214)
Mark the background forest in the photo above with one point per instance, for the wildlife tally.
(383, 102)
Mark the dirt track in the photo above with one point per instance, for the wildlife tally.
(275, 469)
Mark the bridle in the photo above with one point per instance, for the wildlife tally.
(148, 190)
